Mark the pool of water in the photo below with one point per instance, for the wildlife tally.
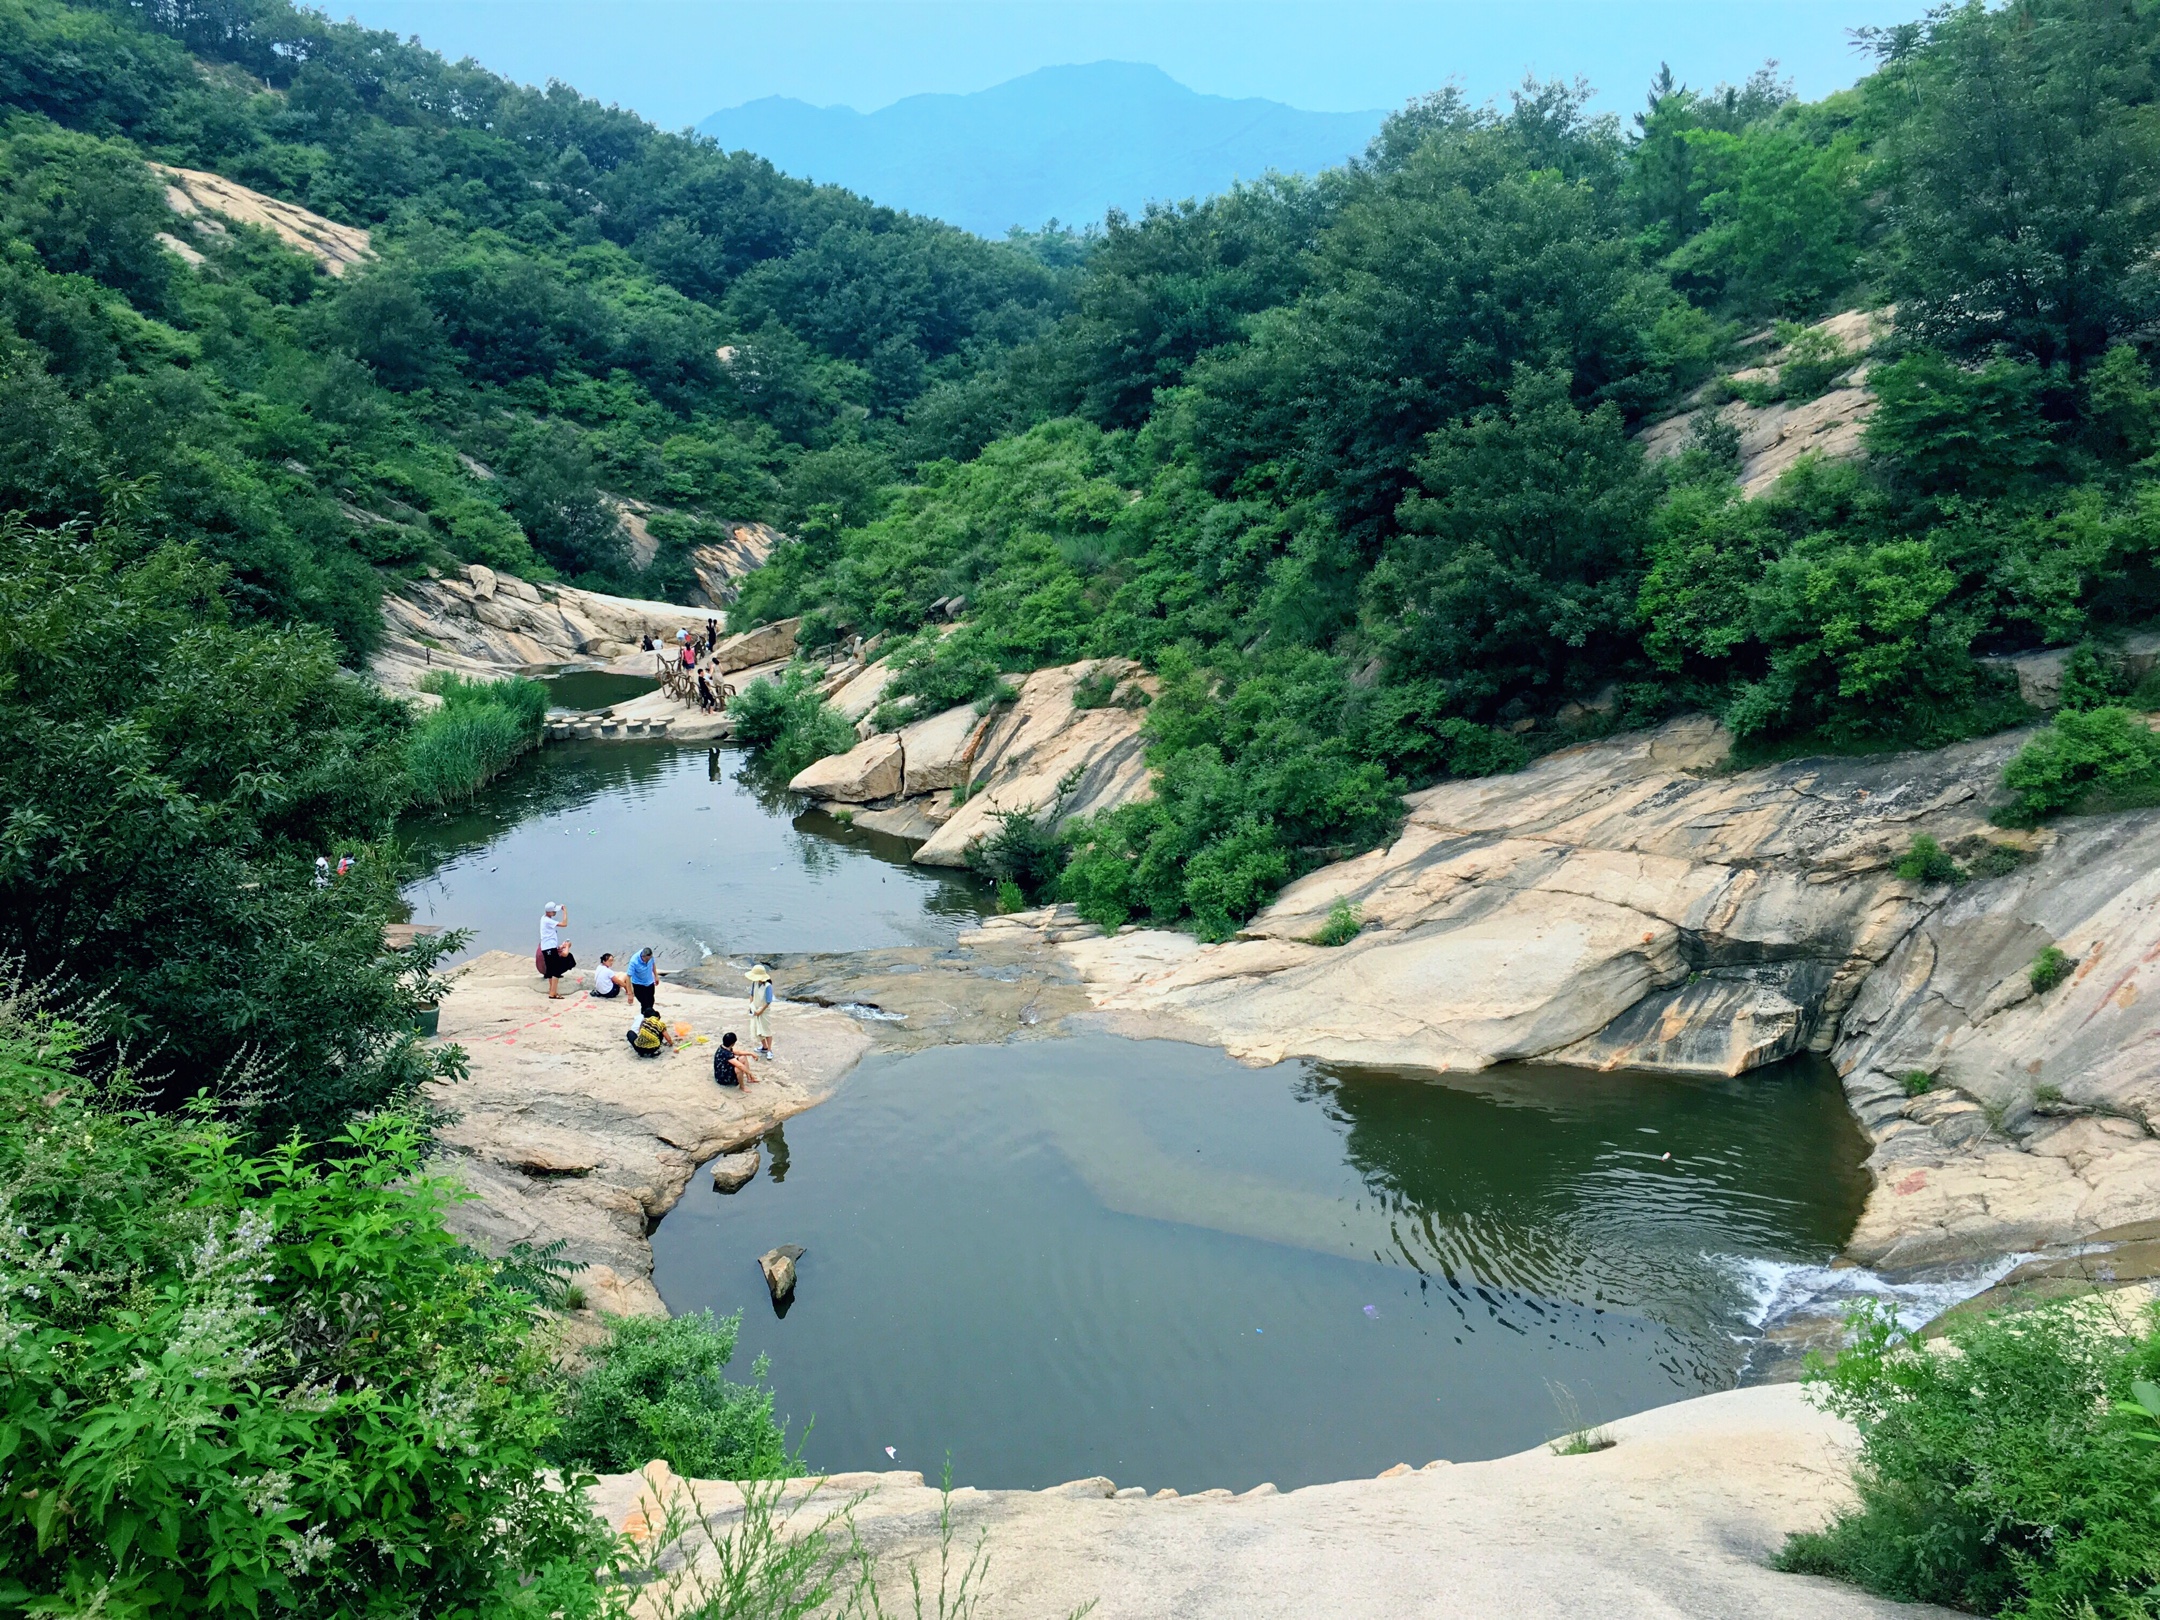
(594, 688)
(1095, 1256)
(670, 846)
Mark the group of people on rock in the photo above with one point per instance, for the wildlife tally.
(651, 1034)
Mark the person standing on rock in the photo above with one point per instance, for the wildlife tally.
(761, 1000)
(644, 978)
(555, 957)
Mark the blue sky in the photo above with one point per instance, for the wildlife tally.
(677, 60)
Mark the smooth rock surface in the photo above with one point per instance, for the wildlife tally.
(337, 248)
(1618, 903)
(1030, 748)
(563, 1132)
(778, 1267)
(870, 770)
(1679, 1520)
(938, 754)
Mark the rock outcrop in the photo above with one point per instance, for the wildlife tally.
(564, 1132)
(2038, 1122)
(204, 198)
(481, 622)
(1775, 436)
(1050, 759)
(1619, 904)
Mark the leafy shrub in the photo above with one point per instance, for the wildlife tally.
(1996, 1479)
(1813, 360)
(1022, 852)
(479, 732)
(935, 673)
(2049, 969)
(657, 1389)
(1009, 897)
(787, 725)
(2087, 759)
(1916, 1082)
(2091, 682)
(1345, 921)
(236, 1385)
(1094, 691)
(1928, 862)
(1997, 860)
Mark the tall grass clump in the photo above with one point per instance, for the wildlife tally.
(786, 725)
(2010, 1473)
(477, 734)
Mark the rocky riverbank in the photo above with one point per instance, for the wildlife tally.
(561, 1132)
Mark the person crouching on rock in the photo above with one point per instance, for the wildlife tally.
(651, 1037)
(727, 1070)
(644, 978)
(607, 978)
(555, 957)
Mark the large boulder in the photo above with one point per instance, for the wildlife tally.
(939, 753)
(869, 770)
(1043, 743)
(758, 646)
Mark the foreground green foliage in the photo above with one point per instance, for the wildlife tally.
(2088, 758)
(1998, 1478)
(244, 1384)
(658, 1388)
(477, 734)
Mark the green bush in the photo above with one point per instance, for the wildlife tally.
(1094, 691)
(933, 674)
(786, 725)
(1996, 1479)
(657, 1389)
(239, 1385)
(2049, 969)
(1021, 851)
(480, 731)
(2087, 759)
(1928, 862)
(1344, 923)
(1916, 1082)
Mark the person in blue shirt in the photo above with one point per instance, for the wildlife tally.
(643, 979)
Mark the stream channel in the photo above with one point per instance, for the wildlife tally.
(1089, 1255)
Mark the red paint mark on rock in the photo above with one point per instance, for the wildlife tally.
(1912, 1184)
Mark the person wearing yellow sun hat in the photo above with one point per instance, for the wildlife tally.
(761, 1000)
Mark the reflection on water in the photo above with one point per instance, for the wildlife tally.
(594, 688)
(1085, 1256)
(671, 846)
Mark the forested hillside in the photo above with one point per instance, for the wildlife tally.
(1355, 464)
(583, 306)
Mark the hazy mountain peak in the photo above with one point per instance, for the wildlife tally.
(1065, 142)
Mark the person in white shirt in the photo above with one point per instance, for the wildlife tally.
(555, 957)
(605, 984)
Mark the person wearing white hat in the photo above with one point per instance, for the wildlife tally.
(761, 1000)
(555, 957)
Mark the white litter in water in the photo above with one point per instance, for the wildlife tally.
(870, 1014)
(703, 950)
(1781, 1289)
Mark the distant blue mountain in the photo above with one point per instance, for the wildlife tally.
(1063, 142)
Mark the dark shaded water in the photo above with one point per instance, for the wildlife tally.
(667, 845)
(594, 688)
(1063, 1258)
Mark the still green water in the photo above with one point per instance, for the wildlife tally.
(671, 846)
(1095, 1256)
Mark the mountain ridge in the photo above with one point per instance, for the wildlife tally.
(1066, 142)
